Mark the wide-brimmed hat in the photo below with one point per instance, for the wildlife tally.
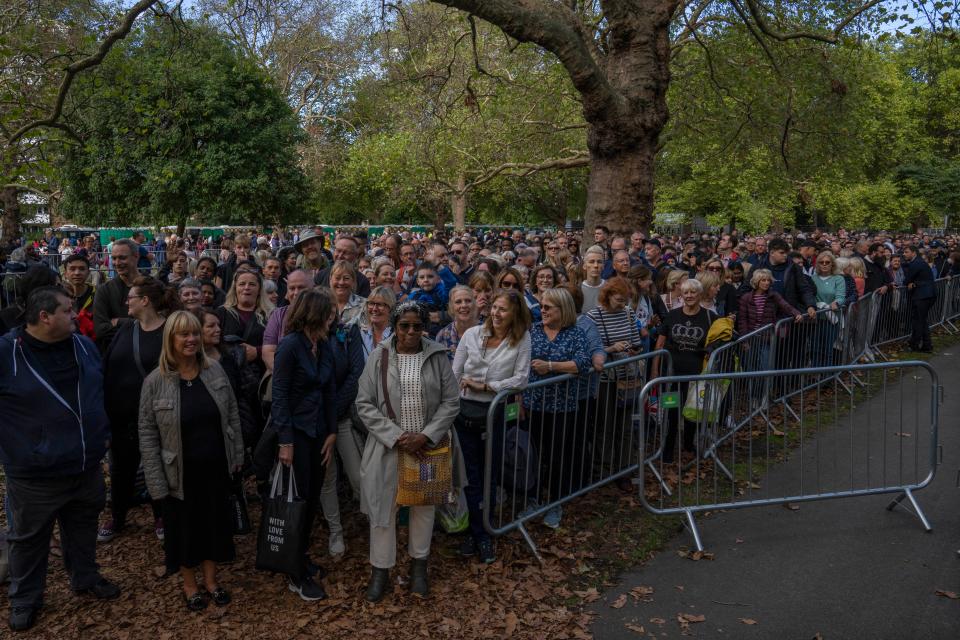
(307, 234)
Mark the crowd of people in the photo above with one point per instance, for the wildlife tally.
(205, 367)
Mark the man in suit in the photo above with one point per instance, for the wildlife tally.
(918, 279)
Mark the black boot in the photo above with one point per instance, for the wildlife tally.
(379, 581)
(418, 578)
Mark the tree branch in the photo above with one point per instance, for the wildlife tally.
(119, 33)
(523, 169)
(557, 29)
(756, 11)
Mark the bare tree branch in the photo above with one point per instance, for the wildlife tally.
(119, 33)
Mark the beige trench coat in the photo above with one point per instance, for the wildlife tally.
(441, 404)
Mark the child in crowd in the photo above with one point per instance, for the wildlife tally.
(432, 293)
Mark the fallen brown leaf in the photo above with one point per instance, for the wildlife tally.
(747, 620)
(658, 621)
(635, 628)
(691, 617)
(948, 594)
(642, 592)
(511, 621)
(619, 602)
(590, 595)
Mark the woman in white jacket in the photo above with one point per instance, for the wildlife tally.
(490, 358)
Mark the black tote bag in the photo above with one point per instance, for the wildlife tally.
(279, 542)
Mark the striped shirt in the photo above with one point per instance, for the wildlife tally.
(617, 326)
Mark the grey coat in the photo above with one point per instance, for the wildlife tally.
(441, 404)
(160, 446)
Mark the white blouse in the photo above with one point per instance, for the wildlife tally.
(504, 367)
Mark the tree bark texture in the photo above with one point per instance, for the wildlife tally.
(622, 77)
(460, 205)
(11, 213)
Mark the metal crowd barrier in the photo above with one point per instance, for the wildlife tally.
(538, 458)
(9, 288)
(880, 440)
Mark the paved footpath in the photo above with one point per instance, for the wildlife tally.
(843, 569)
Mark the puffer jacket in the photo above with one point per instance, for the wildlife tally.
(161, 449)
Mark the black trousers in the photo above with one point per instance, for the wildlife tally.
(35, 504)
(919, 329)
(124, 462)
(308, 472)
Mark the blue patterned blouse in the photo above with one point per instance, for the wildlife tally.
(570, 344)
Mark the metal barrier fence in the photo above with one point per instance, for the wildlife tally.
(881, 439)
(569, 435)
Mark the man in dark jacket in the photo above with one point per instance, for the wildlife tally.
(878, 278)
(52, 439)
(110, 300)
(918, 278)
(788, 278)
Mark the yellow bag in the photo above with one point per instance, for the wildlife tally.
(426, 479)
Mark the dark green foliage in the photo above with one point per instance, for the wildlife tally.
(176, 126)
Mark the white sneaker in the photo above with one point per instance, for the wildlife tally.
(336, 545)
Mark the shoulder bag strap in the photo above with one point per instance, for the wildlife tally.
(384, 365)
(603, 325)
(136, 349)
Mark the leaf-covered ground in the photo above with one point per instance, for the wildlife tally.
(514, 597)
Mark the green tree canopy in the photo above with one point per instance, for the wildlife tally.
(177, 125)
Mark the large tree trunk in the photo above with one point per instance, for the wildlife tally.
(623, 134)
(620, 191)
(622, 81)
(11, 214)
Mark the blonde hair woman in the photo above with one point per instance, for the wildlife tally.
(190, 443)
(672, 298)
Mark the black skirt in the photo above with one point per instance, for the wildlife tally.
(199, 527)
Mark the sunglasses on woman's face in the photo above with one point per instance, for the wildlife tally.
(409, 326)
(509, 283)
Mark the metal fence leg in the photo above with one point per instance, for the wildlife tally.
(656, 474)
(916, 508)
(530, 543)
(692, 526)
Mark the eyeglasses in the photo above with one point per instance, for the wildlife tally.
(377, 305)
(409, 326)
(825, 262)
(509, 283)
(134, 296)
(552, 247)
(547, 307)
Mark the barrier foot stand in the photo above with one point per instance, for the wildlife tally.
(530, 543)
(949, 326)
(843, 384)
(656, 474)
(692, 527)
(917, 511)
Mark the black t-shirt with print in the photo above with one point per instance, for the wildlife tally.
(686, 339)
